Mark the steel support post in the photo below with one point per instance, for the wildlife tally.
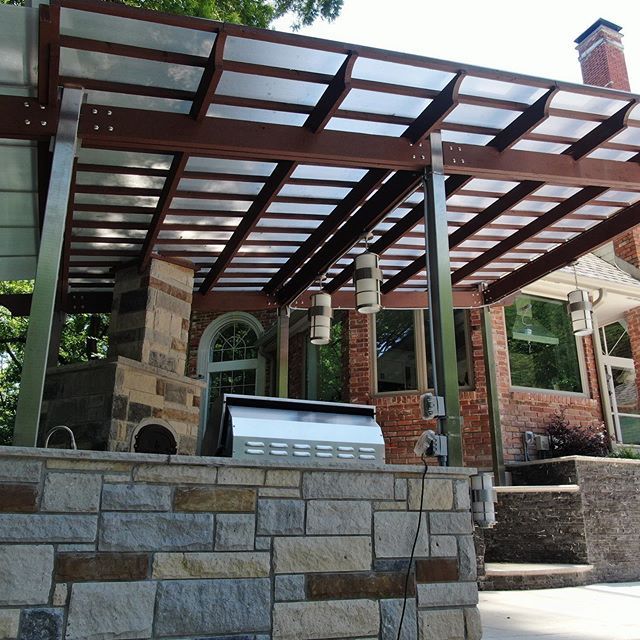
(443, 339)
(46, 283)
(497, 453)
(282, 379)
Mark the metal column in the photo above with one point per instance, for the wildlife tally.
(282, 379)
(443, 339)
(497, 453)
(47, 272)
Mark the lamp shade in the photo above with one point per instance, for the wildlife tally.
(320, 314)
(367, 278)
(580, 308)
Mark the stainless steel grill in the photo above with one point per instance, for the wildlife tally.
(305, 431)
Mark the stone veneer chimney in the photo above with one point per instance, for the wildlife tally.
(602, 61)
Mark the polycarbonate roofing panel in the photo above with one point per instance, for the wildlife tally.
(303, 152)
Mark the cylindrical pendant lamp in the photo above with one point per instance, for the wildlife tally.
(581, 310)
(367, 278)
(320, 314)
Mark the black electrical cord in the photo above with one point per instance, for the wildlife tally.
(413, 548)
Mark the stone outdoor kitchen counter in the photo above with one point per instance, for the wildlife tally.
(99, 545)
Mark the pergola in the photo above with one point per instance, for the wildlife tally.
(265, 158)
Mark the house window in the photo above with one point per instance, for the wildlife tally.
(543, 351)
(403, 350)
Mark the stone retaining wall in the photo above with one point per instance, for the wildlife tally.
(107, 545)
(600, 525)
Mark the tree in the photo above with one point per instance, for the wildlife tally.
(83, 338)
(255, 13)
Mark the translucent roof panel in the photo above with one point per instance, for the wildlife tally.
(499, 90)
(565, 127)
(224, 165)
(124, 158)
(256, 115)
(128, 101)
(196, 203)
(95, 26)
(115, 200)
(147, 73)
(119, 180)
(366, 127)
(401, 74)
(556, 191)
(18, 51)
(267, 88)
(471, 114)
(463, 137)
(631, 136)
(540, 147)
(316, 172)
(613, 154)
(384, 103)
(586, 104)
(313, 191)
(220, 186)
(282, 55)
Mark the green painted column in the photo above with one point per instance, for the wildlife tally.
(36, 351)
(443, 339)
(282, 378)
(493, 398)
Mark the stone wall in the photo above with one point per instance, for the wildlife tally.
(538, 524)
(107, 545)
(607, 505)
(105, 401)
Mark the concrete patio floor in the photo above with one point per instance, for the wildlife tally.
(594, 612)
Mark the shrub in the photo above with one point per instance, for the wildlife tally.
(629, 453)
(566, 439)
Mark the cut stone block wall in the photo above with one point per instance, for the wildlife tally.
(107, 545)
(105, 401)
(607, 508)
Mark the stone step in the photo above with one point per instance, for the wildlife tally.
(511, 576)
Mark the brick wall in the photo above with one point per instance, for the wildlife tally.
(627, 247)
(520, 411)
(130, 546)
(610, 509)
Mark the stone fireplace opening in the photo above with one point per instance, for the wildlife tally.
(154, 438)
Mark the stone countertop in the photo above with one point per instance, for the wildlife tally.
(150, 458)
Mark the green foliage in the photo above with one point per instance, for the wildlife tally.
(255, 13)
(330, 365)
(83, 338)
(566, 439)
(625, 453)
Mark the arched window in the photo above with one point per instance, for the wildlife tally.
(230, 361)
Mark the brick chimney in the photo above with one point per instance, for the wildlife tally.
(601, 56)
(602, 61)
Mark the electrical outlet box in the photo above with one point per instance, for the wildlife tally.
(432, 406)
(529, 437)
(541, 443)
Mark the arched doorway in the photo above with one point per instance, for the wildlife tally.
(229, 360)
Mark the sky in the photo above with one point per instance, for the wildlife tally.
(534, 37)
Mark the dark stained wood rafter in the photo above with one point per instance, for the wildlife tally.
(272, 186)
(602, 133)
(524, 233)
(537, 113)
(588, 240)
(164, 203)
(210, 79)
(390, 194)
(494, 210)
(405, 224)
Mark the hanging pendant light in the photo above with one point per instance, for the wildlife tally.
(320, 314)
(580, 309)
(367, 278)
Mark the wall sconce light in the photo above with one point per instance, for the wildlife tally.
(580, 309)
(320, 314)
(483, 499)
(367, 278)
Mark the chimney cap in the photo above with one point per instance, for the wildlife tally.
(600, 22)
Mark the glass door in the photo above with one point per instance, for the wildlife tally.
(622, 382)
